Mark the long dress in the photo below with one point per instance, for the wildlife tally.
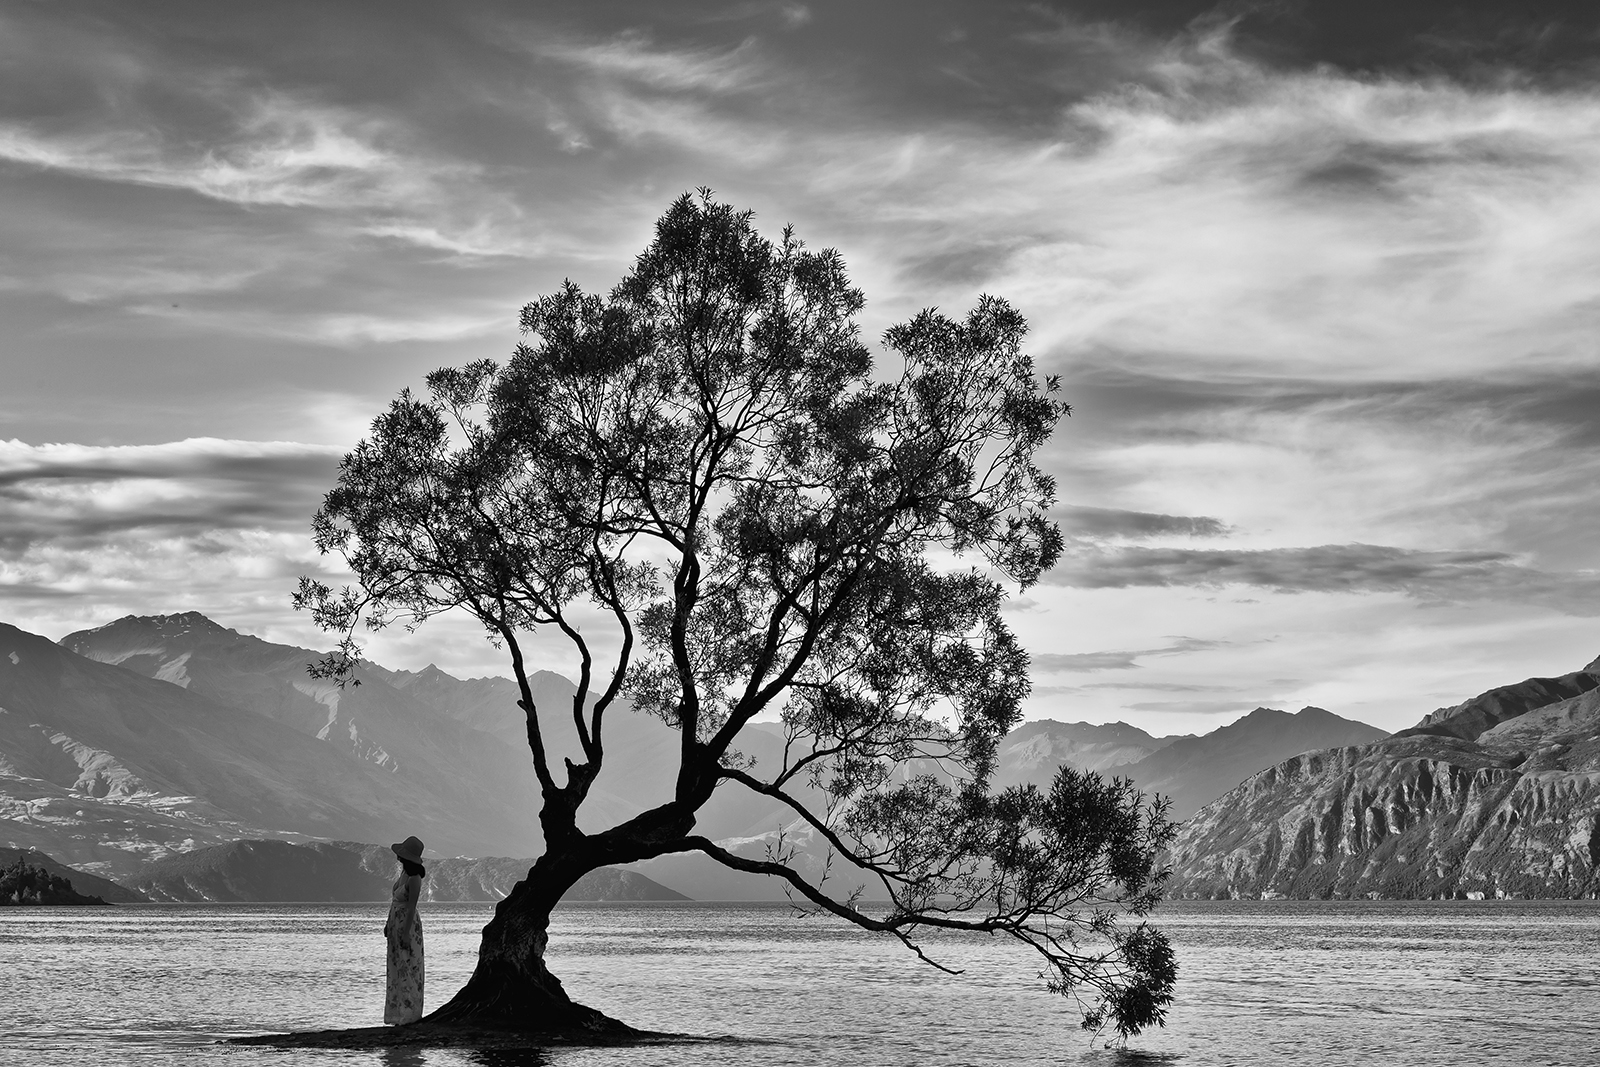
(403, 1001)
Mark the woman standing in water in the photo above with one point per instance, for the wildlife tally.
(403, 1002)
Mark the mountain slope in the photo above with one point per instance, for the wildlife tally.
(460, 745)
(454, 750)
(1511, 810)
(470, 778)
(1194, 771)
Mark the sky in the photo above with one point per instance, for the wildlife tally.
(1322, 281)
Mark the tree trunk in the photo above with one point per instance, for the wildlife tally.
(511, 988)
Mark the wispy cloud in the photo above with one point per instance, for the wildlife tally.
(89, 533)
(633, 57)
(275, 151)
(1115, 661)
(1112, 522)
(1356, 568)
(1190, 707)
(1163, 687)
(339, 329)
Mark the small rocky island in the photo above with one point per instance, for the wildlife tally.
(22, 884)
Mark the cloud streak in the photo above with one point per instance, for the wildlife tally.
(93, 533)
(1355, 568)
(1112, 522)
(278, 152)
(1115, 661)
(78, 495)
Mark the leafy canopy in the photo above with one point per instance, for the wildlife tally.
(706, 457)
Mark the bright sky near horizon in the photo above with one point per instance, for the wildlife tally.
(1322, 281)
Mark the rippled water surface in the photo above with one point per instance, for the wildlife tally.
(1277, 983)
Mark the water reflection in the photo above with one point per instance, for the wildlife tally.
(402, 1057)
(1133, 1057)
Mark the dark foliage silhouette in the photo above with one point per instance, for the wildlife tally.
(21, 883)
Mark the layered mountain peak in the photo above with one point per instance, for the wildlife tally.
(189, 626)
(182, 623)
(1191, 771)
(160, 646)
(1034, 750)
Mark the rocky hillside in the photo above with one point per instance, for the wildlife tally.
(276, 871)
(1498, 796)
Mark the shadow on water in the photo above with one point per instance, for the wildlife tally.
(534, 1056)
(501, 1057)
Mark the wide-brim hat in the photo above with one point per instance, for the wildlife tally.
(409, 849)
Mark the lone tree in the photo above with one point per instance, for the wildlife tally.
(706, 458)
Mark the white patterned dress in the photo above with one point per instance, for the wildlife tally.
(403, 1002)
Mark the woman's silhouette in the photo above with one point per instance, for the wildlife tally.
(403, 1002)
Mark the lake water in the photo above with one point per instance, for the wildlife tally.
(1330, 984)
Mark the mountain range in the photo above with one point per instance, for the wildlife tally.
(158, 736)
(1498, 796)
(1188, 770)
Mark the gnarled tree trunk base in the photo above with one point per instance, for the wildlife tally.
(502, 1007)
(521, 995)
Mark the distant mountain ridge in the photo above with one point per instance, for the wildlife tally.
(1033, 751)
(104, 768)
(277, 871)
(1188, 770)
(1471, 718)
(401, 753)
(459, 745)
(1193, 771)
(1497, 796)
(470, 786)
